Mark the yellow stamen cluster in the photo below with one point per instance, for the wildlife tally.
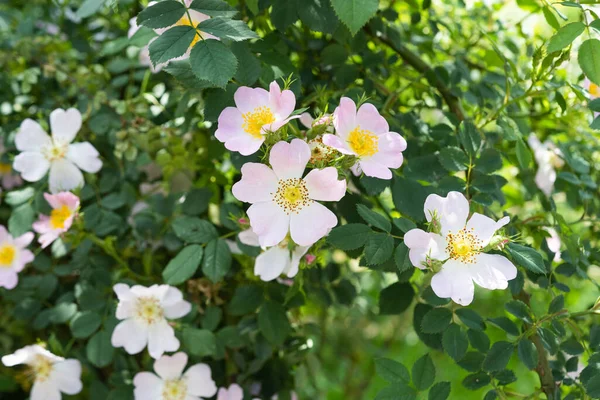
(57, 151)
(319, 151)
(149, 310)
(364, 143)
(255, 120)
(175, 389)
(292, 195)
(185, 21)
(463, 246)
(594, 90)
(58, 216)
(8, 253)
(41, 367)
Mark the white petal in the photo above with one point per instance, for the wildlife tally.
(311, 224)
(177, 310)
(26, 354)
(199, 381)
(64, 125)
(270, 264)
(454, 281)
(171, 367)
(161, 339)
(544, 179)
(147, 386)
(123, 292)
(45, 390)
(249, 238)
(130, 335)
(452, 211)
(374, 169)
(485, 227)
(67, 376)
(495, 267)
(258, 183)
(31, 137)
(269, 222)
(234, 392)
(337, 143)
(64, 176)
(323, 185)
(85, 156)
(423, 244)
(32, 166)
(289, 159)
(297, 254)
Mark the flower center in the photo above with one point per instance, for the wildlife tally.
(42, 367)
(255, 120)
(185, 21)
(319, 151)
(5, 169)
(594, 90)
(363, 142)
(149, 310)
(56, 151)
(175, 389)
(292, 195)
(463, 245)
(7, 255)
(58, 216)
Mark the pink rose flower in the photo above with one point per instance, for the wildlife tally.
(64, 209)
(13, 257)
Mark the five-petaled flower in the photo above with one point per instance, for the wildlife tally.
(548, 158)
(460, 246)
(171, 383)
(233, 392)
(52, 374)
(41, 152)
(64, 209)
(366, 135)
(145, 311)
(243, 128)
(283, 201)
(13, 257)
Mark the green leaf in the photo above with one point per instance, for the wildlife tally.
(550, 18)
(99, 350)
(523, 154)
(162, 14)
(217, 260)
(396, 391)
(251, 72)
(409, 197)
(225, 28)
(572, 347)
(528, 353)
(182, 71)
(284, 13)
(213, 8)
(589, 59)
(349, 236)
(212, 61)
(453, 159)
(476, 381)
(565, 36)
(184, 265)
(505, 324)
(18, 197)
(392, 371)
(374, 218)
(436, 320)
(89, 8)
(199, 342)
(401, 258)
(471, 319)
(423, 372)
(455, 342)
(21, 219)
(171, 44)
(497, 358)
(196, 201)
(557, 304)
(246, 299)
(527, 258)
(469, 137)
(355, 13)
(439, 391)
(194, 230)
(379, 248)
(489, 161)
(519, 310)
(396, 298)
(84, 324)
(273, 322)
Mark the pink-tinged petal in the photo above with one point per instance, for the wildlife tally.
(277, 124)
(454, 281)
(31, 137)
(258, 184)
(48, 238)
(247, 99)
(311, 224)
(289, 159)
(485, 227)
(282, 103)
(64, 125)
(4, 234)
(249, 238)
(161, 339)
(64, 175)
(269, 222)
(129, 335)
(271, 263)
(423, 245)
(24, 240)
(85, 157)
(344, 117)
(199, 381)
(32, 166)
(230, 124)
(8, 279)
(451, 210)
(244, 144)
(45, 390)
(337, 143)
(67, 376)
(391, 146)
(375, 169)
(147, 386)
(24, 258)
(323, 185)
(234, 392)
(297, 254)
(42, 225)
(368, 118)
(171, 367)
(307, 120)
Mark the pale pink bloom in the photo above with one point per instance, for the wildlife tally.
(53, 375)
(275, 260)
(366, 135)
(308, 121)
(13, 257)
(243, 128)
(64, 209)
(548, 158)
(144, 311)
(283, 201)
(459, 245)
(234, 392)
(170, 382)
(592, 88)
(41, 153)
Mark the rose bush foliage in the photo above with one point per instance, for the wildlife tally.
(277, 199)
